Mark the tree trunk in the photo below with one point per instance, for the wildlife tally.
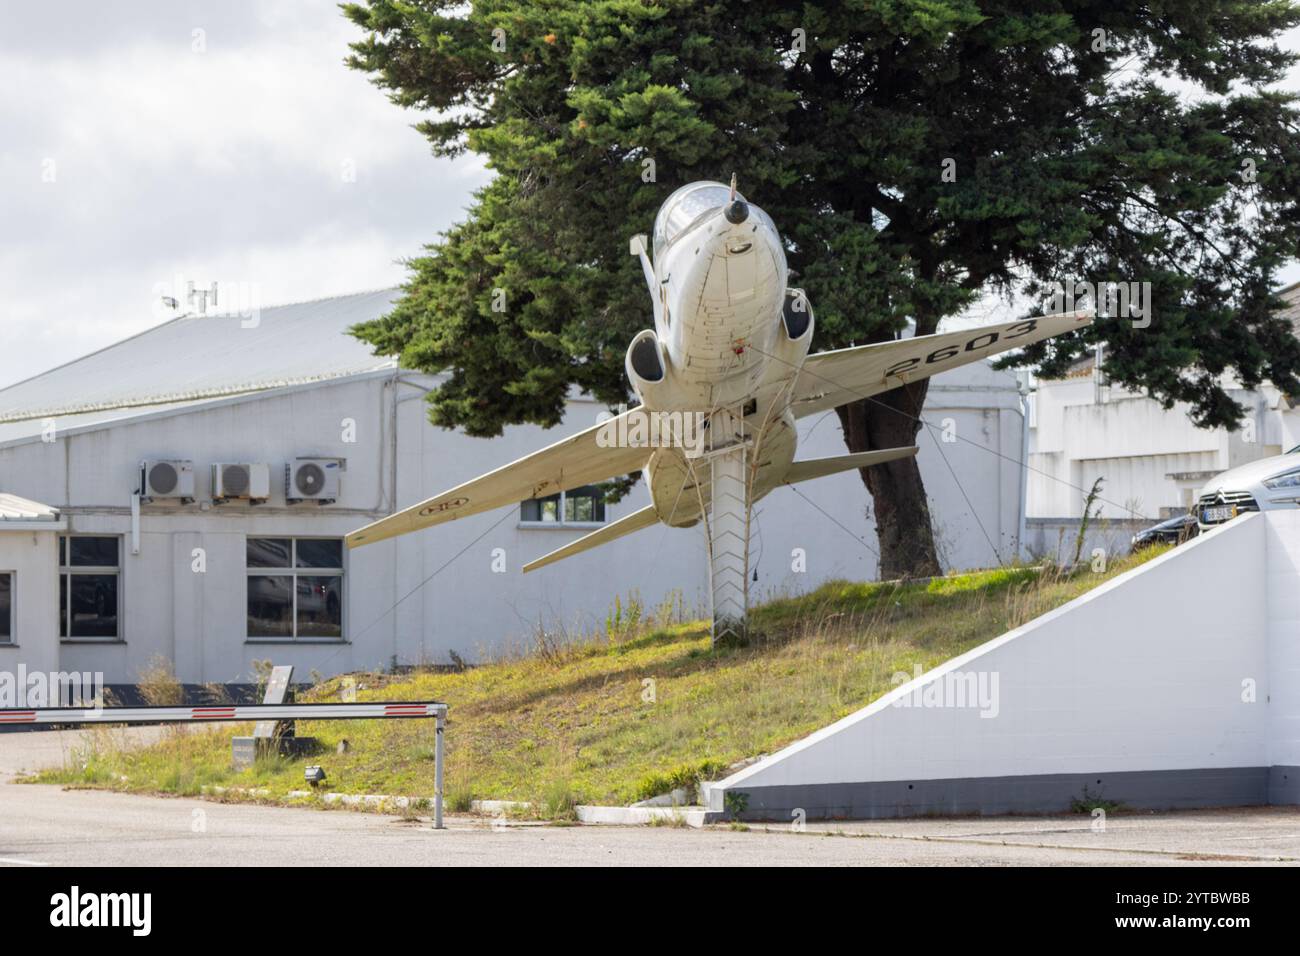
(892, 420)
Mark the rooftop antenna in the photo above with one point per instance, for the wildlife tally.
(204, 297)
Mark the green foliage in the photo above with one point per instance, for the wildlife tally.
(674, 820)
(1089, 516)
(1071, 163)
(624, 622)
(686, 776)
(735, 802)
(556, 802)
(1089, 801)
(459, 798)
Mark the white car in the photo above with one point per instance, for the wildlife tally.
(1264, 485)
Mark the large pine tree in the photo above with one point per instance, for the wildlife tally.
(915, 153)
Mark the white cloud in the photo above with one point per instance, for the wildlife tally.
(223, 165)
(226, 165)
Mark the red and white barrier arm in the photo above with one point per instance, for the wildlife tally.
(368, 710)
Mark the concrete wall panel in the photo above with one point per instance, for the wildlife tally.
(1141, 676)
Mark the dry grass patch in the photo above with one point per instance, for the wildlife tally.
(640, 710)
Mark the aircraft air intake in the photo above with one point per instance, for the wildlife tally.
(796, 314)
(643, 359)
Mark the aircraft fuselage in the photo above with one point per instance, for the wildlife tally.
(728, 343)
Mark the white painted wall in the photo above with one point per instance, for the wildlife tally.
(1282, 542)
(1136, 446)
(32, 557)
(1143, 673)
(422, 596)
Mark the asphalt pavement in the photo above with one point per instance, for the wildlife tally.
(47, 825)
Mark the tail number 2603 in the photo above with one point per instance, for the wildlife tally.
(975, 344)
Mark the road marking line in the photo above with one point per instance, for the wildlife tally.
(11, 861)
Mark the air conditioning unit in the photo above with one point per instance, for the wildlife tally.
(167, 479)
(241, 482)
(313, 479)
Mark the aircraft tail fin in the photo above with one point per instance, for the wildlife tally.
(623, 526)
(820, 467)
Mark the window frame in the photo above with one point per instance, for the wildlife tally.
(561, 509)
(293, 572)
(12, 639)
(67, 570)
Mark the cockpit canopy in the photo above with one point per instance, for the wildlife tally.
(684, 207)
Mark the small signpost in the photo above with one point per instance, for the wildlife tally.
(277, 689)
(271, 736)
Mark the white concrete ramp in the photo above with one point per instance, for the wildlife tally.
(1176, 684)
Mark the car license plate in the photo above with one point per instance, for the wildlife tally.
(1217, 513)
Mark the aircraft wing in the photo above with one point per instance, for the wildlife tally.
(626, 525)
(581, 459)
(821, 467)
(830, 379)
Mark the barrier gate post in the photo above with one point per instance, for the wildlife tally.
(439, 725)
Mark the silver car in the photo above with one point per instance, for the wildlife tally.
(1264, 485)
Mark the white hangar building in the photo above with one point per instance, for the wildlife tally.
(218, 565)
(1154, 461)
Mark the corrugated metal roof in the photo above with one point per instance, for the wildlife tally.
(193, 358)
(30, 428)
(13, 508)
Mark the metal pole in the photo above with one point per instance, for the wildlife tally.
(437, 772)
(728, 527)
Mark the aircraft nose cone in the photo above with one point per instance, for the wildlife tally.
(737, 212)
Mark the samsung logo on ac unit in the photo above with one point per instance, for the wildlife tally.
(73, 909)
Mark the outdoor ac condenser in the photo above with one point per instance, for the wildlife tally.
(312, 479)
(246, 481)
(172, 478)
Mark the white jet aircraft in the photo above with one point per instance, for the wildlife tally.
(723, 377)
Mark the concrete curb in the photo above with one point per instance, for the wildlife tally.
(643, 816)
(492, 807)
(370, 801)
(691, 816)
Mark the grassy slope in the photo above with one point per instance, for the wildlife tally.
(581, 724)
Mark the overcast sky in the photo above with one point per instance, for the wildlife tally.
(229, 164)
(204, 140)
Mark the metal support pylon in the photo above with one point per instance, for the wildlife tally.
(728, 527)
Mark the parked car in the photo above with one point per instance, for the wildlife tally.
(1173, 531)
(1264, 485)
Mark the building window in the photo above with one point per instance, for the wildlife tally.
(7, 607)
(89, 587)
(295, 588)
(585, 505)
